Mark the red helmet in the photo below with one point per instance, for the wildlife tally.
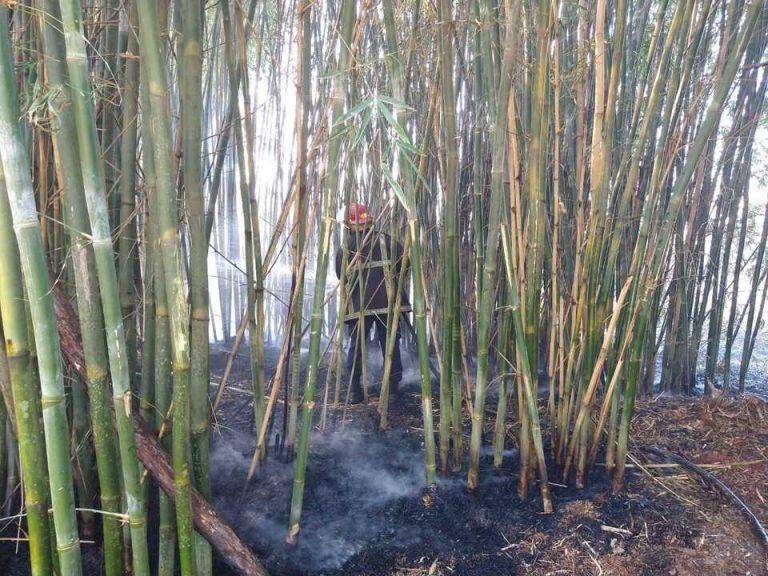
(358, 214)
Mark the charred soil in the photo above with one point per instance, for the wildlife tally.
(366, 511)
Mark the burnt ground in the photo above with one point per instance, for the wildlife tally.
(367, 513)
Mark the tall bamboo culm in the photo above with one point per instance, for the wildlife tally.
(95, 199)
(191, 114)
(20, 196)
(170, 257)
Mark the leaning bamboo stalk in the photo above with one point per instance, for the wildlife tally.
(20, 197)
(328, 201)
(231, 549)
(610, 400)
(392, 332)
(95, 199)
(277, 379)
(587, 398)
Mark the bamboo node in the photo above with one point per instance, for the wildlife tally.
(49, 401)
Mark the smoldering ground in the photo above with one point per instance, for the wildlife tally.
(365, 490)
(352, 476)
(365, 502)
(366, 510)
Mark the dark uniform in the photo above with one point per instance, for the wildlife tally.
(373, 269)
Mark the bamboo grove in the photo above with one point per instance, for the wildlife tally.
(573, 183)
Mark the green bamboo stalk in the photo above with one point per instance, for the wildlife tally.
(420, 322)
(95, 199)
(107, 70)
(171, 258)
(251, 230)
(730, 331)
(82, 452)
(257, 346)
(6, 388)
(328, 212)
(504, 354)
(128, 252)
(450, 231)
(303, 103)
(343, 299)
(536, 184)
(20, 194)
(163, 397)
(26, 397)
(4, 437)
(33, 362)
(458, 395)
(478, 174)
(191, 72)
(498, 126)
(395, 303)
(753, 106)
(406, 193)
(749, 338)
(226, 130)
(162, 346)
(149, 274)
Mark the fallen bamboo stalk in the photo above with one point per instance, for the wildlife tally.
(207, 521)
(712, 480)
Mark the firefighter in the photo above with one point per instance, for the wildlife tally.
(374, 263)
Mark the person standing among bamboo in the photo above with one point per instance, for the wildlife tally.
(373, 266)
